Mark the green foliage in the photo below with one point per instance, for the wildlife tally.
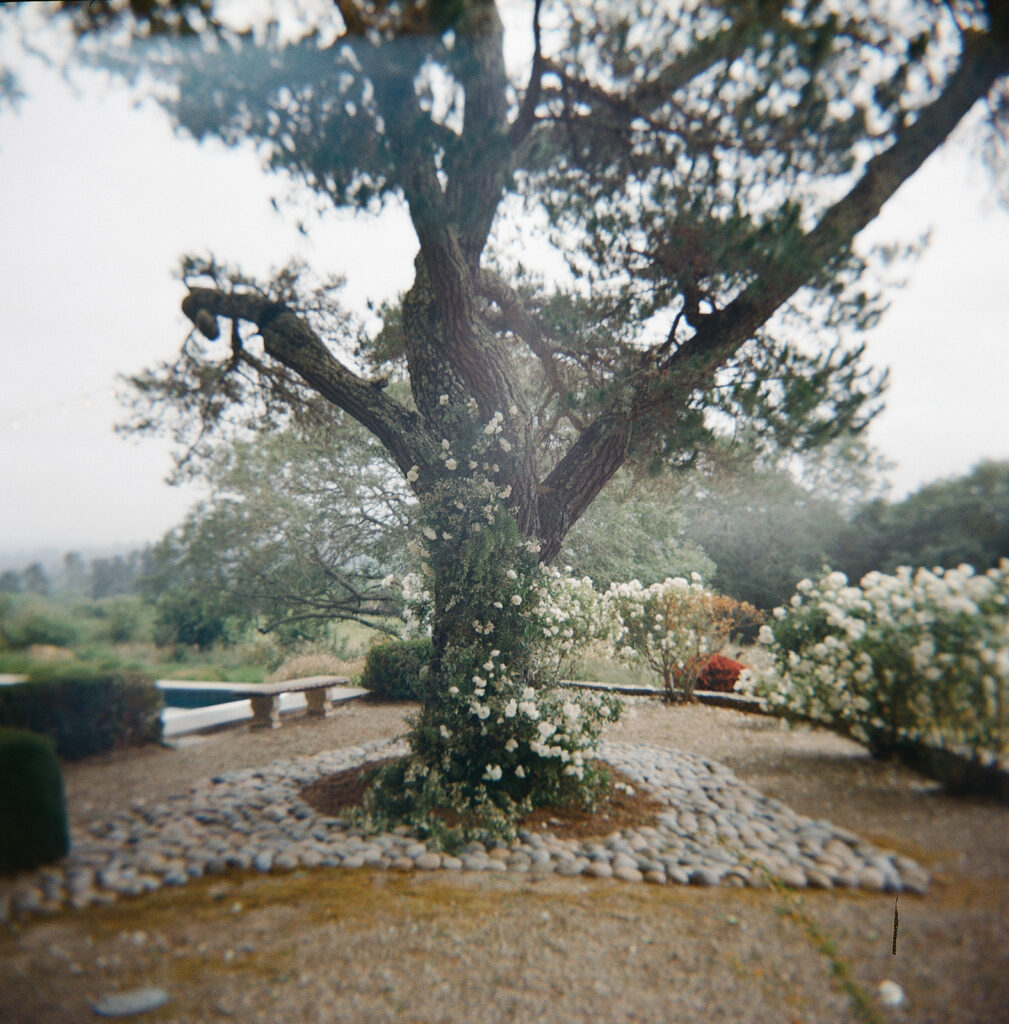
(10, 582)
(396, 669)
(33, 817)
(186, 617)
(634, 530)
(302, 524)
(947, 523)
(122, 620)
(28, 620)
(83, 709)
(36, 580)
(763, 531)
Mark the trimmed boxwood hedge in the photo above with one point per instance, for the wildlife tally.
(85, 710)
(395, 670)
(33, 815)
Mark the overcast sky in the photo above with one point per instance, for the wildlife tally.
(98, 200)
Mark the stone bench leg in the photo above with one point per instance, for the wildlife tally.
(319, 704)
(265, 712)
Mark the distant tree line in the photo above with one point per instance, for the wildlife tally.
(279, 547)
(96, 578)
(765, 532)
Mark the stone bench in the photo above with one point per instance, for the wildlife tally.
(266, 703)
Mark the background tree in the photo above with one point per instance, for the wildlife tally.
(700, 168)
(73, 578)
(946, 523)
(36, 580)
(10, 582)
(635, 530)
(301, 526)
(762, 529)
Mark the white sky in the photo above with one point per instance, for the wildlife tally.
(99, 200)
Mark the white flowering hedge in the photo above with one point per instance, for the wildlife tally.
(672, 627)
(919, 655)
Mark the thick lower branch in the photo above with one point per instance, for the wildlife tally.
(289, 339)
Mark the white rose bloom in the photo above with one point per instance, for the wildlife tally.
(765, 635)
(493, 772)
(520, 772)
(451, 464)
(511, 745)
(429, 533)
(443, 399)
(516, 599)
(511, 709)
(445, 731)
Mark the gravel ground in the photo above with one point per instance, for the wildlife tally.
(376, 946)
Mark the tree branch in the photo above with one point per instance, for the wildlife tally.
(289, 339)
(523, 124)
(602, 448)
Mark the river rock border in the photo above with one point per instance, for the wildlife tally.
(717, 831)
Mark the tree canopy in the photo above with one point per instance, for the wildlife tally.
(699, 166)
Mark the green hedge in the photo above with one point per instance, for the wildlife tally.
(33, 816)
(85, 710)
(395, 670)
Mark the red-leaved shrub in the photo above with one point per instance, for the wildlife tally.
(719, 673)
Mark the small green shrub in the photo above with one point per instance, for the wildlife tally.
(123, 620)
(395, 670)
(85, 710)
(182, 617)
(24, 623)
(33, 817)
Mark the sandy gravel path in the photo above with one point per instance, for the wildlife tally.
(368, 946)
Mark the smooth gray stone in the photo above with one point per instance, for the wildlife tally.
(705, 876)
(626, 874)
(599, 869)
(571, 868)
(125, 1004)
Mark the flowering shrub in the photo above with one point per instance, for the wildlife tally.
(673, 627)
(917, 655)
(719, 674)
(496, 734)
